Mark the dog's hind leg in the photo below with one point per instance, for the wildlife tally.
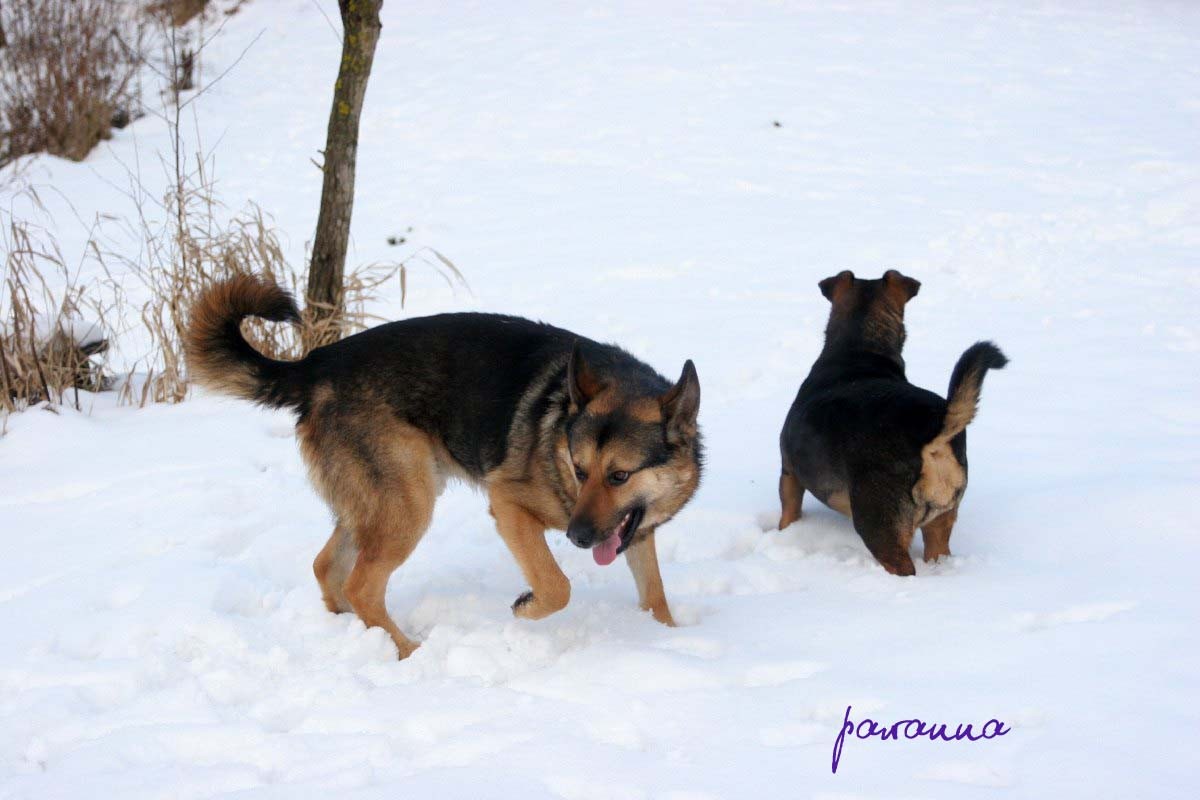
(366, 588)
(389, 506)
(525, 536)
(885, 523)
(936, 535)
(791, 497)
(386, 539)
(332, 567)
(642, 559)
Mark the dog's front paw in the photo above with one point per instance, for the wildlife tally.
(536, 606)
(527, 606)
(525, 599)
(786, 521)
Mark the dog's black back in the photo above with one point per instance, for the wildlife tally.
(495, 359)
(855, 413)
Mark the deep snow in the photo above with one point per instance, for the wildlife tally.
(615, 169)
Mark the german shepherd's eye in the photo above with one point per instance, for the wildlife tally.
(580, 475)
(618, 477)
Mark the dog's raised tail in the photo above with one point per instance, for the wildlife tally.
(965, 384)
(220, 358)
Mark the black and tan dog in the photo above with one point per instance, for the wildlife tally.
(868, 443)
(562, 432)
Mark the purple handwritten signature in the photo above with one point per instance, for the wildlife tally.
(913, 729)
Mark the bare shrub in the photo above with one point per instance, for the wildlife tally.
(184, 242)
(69, 69)
(177, 12)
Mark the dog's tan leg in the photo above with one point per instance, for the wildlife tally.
(936, 535)
(525, 536)
(332, 567)
(642, 559)
(791, 497)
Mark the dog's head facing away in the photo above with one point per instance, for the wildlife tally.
(635, 456)
(868, 312)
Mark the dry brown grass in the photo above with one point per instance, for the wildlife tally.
(53, 331)
(176, 264)
(70, 68)
(249, 245)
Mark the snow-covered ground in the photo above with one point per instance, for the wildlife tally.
(617, 169)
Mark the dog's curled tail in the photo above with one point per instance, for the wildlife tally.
(965, 384)
(220, 358)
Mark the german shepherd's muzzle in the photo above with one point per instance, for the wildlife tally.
(561, 431)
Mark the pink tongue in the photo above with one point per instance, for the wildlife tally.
(606, 552)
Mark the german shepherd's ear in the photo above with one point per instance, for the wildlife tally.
(832, 287)
(901, 287)
(681, 404)
(582, 385)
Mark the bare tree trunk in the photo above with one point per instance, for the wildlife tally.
(326, 293)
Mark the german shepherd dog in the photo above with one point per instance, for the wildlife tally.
(560, 431)
(869, 444)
